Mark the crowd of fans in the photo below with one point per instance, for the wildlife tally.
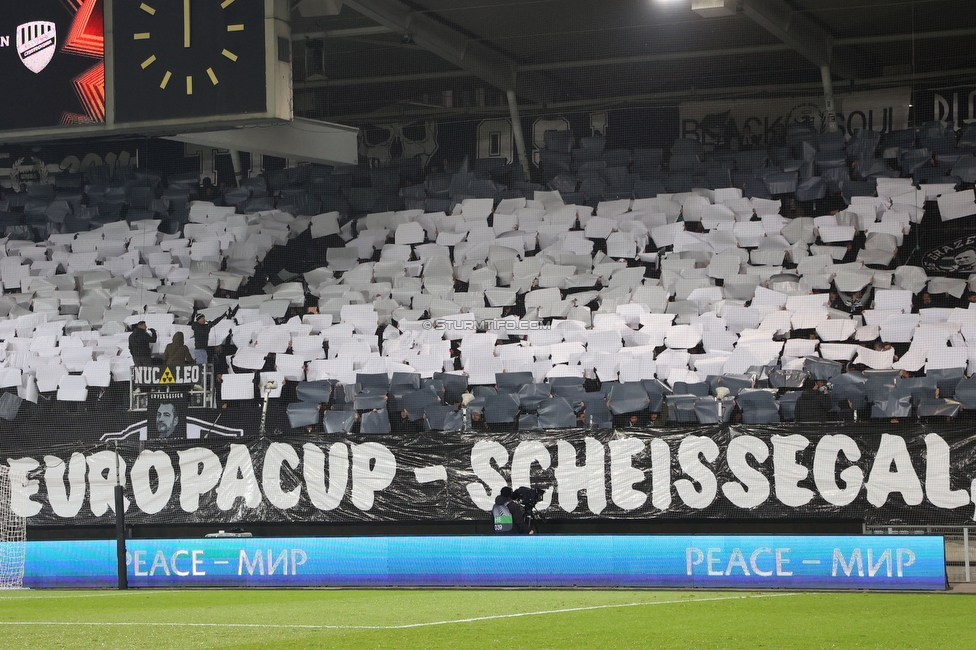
(523, 310)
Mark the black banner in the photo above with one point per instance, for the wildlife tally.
(915, 477)
(948, 248)
(166, 375)
(956, 105)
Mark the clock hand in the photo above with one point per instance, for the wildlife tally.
(186, 23)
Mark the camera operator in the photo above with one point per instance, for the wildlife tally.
(508, 514)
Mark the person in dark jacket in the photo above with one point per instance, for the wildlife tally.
(201, 335)
(512, 523)
(140, 344)
(813, 404)
(478, 422)
(176, 353)
(401, 423)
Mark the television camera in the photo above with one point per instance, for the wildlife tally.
(528, 498)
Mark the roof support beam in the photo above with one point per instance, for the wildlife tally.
(670, 97)
(586, 63)
(798, 31)
(353, 32)
(829, 112)
(446, 42)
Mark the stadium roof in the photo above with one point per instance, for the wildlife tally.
(357, 61)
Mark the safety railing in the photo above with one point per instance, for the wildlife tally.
(960, 553)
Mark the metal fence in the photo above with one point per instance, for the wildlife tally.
(960, 560)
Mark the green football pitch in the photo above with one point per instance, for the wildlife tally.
(482, 619)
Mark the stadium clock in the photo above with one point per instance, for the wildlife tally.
(188, 58)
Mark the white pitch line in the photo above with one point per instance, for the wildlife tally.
(396, 627)
(55, 596)
(583, 609)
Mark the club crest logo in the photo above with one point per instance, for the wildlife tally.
(958, 256)
(36, 42)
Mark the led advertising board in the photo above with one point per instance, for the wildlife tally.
(76, 68)
(52, 64)
(706, 561)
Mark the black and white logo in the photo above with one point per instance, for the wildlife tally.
(36, 42)
(958, 256)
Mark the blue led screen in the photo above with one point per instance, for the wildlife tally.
(708, 561)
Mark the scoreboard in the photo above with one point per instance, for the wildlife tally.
(76, 68)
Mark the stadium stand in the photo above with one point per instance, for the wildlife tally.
(633, 288)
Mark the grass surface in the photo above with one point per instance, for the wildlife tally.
(482, 619)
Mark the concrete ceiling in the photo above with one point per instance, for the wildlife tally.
(360, 61)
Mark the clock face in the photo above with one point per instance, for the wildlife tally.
(188, 58)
